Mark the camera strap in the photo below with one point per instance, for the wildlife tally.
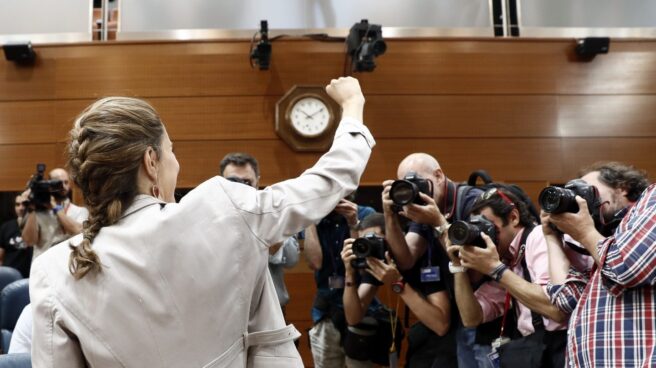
(393, 320)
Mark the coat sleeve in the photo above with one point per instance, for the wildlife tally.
(285, 208)
(52, 344)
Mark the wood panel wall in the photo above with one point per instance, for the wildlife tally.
(525, 110)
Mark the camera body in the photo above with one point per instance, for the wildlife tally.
(406, 190)
(469, 232)
(560, 200)
(41, 190)
(370, 245)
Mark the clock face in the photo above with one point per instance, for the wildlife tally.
(310, 117)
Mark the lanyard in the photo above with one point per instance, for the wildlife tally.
(393, 320)
(505, 313)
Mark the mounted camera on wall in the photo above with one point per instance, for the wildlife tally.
(587, 48)
(364, 44)
(261, 53)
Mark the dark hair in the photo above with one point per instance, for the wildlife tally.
(501, 207)
(618, 175)
(239, 159)
(375, 219)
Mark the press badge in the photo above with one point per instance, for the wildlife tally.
(430, 274)
(494, 355)
(494, 358)
(393, 359)
(336, 282)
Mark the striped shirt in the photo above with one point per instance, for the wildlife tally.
(614, 324)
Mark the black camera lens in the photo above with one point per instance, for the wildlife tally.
(558, 200)
(463, 233)
(469, 232)
(361, 248)
(403, 192)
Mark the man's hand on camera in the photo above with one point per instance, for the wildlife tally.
(577, 225)
(483, 260)
(426, 214)
(349, 210)
(348, 256)
(387, 273)
(388, 204)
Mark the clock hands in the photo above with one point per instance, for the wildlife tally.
(306, 114)
(316, 112)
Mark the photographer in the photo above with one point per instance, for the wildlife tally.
(422, 260)
(518, 269)
(50, 223)
(323, 244)
(620, 286)
(369, 336)
(618, 187)
(13, 249)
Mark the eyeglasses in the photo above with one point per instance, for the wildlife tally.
(490, 192)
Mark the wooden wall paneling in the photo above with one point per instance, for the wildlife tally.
(506, 158)
(424, 116)
(18, 163)
(30, 122)
(610, 116)
(426, 66)
(580, 152)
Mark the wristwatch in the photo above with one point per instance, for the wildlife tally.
(398, 286)
(456, 269)
(440, 230)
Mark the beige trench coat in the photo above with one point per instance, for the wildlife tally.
(186, 285)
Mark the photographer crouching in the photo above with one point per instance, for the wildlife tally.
(51, 218)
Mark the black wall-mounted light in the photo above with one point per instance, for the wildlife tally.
(364, 44)
(20, 53)
(589, 47)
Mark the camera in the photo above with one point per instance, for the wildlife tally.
(469, 232)
(41, 190)
(370, 245)
(407, 190)
(559, 200)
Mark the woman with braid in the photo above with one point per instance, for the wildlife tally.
(154, 283)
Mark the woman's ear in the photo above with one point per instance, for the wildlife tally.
(150, 163)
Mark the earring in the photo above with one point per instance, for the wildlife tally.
(154, 190)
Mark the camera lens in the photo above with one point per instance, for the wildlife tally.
(361, 248)
(550, 199)
(403, 192)
(460, 233)
(558, 200)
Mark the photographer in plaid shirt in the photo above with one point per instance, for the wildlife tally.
(612, 324)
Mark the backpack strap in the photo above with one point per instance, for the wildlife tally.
(473, 177)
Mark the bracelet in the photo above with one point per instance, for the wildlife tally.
(355, 227)
(498, 272)
(456, 269)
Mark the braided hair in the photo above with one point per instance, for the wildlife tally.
(107, 145)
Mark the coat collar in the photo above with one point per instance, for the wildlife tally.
(140, 202)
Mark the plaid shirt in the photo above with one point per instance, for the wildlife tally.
(614, 324)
